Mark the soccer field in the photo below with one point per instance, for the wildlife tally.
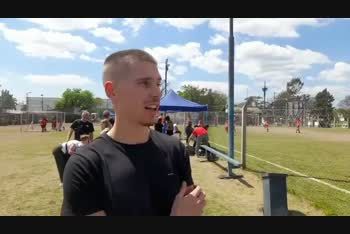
(29, 182)
(317, 161)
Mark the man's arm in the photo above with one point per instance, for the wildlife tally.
(70, 134)
(72, 127)
(82, 187)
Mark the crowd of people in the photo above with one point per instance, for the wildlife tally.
(198, 133)
(83, 134)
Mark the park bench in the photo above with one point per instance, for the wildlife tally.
(234, 163)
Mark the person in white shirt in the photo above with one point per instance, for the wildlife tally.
(63, 151)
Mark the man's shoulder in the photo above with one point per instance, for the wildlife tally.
(164, 140)
(91, 152)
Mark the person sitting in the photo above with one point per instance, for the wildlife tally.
(63, 151)
(106, 115)
(105, 126)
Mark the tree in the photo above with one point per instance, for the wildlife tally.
(76, 98)
(344, 109)
(294, 86)
(7, 101)
(345, 103)
(255, 101)
(215, 100)
(98, 102)
(323, 108)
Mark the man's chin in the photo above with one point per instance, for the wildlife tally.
(147, 124)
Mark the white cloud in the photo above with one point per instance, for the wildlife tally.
(339, 73)
(179, 69)
(36, 43)
(217, 39)
(3, 80)
(64, 24)
(180, 53)
(134, 23)
(273, 63)
(107, 48)
(61, 80)
(255, 59)
(267, 27)
(109, 34)
(240, 89)
(181, 23)
(210, 61)
(264, 27)
(90, 59)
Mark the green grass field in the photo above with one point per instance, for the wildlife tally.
(29, 182)
(320, 153)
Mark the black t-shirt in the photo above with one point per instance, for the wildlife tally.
(189, 130)
(158, 127)
(123, 179)
(80, 127)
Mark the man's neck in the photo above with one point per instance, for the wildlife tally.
(129, 133)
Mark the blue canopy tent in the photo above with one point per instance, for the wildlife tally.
(173, 102)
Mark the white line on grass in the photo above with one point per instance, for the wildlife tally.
(287, 169)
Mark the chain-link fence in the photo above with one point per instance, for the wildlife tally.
(316, 161)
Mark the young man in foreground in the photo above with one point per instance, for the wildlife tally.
(132, 170)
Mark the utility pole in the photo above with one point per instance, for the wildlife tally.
(167, 65)
(264, 89)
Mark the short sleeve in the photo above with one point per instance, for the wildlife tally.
(74, 124)
(81, 188)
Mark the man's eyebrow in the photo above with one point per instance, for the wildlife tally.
(148, 78)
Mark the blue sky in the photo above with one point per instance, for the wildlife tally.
(46, 56)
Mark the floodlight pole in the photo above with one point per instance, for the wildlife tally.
(231, 98)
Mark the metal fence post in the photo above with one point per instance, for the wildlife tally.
(244, 136)
(275, 194)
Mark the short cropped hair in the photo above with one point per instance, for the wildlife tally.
(124, 58)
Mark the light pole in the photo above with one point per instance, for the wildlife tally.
(231, 104)
(27, 103)
(42, 102)
(27, 100)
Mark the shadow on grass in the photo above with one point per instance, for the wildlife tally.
(244, 182)
(293, 175)
(295, 213)
(290, 212)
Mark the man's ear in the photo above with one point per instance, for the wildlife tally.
(109, 89)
